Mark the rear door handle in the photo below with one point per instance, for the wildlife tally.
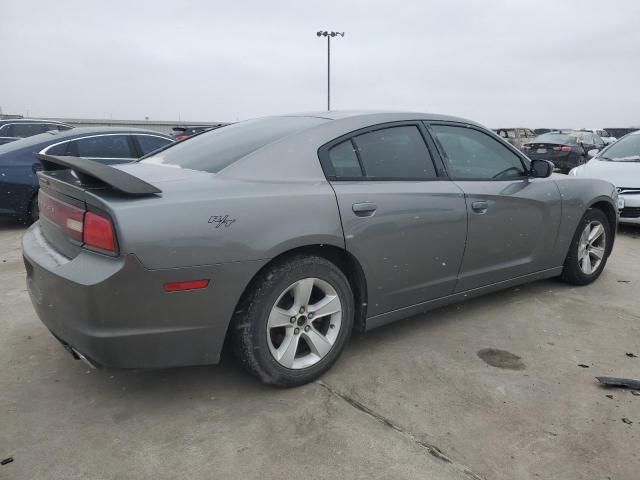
(479, 206)
(364, 209)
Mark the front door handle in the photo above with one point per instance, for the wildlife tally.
(364, 209)
(480, 206)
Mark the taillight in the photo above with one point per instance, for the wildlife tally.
(99, 232)
(69, 217)
(181, 137)
(563, 148)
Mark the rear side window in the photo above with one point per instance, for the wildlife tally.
(60, 149)
(105, 146)
(149, 143)
(395, 153)
(344, 160)
(474, 155)
(23, 130)
(214, 150)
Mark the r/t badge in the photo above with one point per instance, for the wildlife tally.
(219, 221)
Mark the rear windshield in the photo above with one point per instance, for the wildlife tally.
(564, 138)
(212, 151)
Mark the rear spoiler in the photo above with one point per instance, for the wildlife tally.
(88, 171)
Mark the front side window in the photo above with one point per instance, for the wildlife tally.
(395, 153)
(149, 143)
(105, 146)
(511, 133)
(474, 155)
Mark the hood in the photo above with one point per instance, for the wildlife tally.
(621, 174)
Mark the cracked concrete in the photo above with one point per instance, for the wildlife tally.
(409, 401)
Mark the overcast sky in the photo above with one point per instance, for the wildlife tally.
(502, 63)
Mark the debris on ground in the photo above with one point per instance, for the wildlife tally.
(627, 421)
(582, 365)
(6, 461)
(635, 392)
(624, 281)
(609, 396)
(631, 355)
(619, 382)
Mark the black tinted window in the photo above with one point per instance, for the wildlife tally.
(60, 149)
(149, 143)
(27, 129)
(108, 146)
(212, 151)
(475, 155)
(344, 160)
(396, 152)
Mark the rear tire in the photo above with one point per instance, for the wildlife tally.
(589, 250)
(293, 323)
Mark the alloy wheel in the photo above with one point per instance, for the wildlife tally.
(304, 323)
(591, 248)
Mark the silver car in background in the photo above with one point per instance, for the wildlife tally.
(619, 163)
(284, 234)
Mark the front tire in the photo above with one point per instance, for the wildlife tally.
(589, 249)
(294, 321)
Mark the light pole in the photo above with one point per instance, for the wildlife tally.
(324, 33)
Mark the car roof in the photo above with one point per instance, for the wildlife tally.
(381, 115)
(31, 120)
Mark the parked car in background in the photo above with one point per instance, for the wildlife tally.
(16, 128)
(18, 162)
(284, 234)
(566, 149)
(540, 131)
(516, 136)
(602, 133)
(619, 163)
(621, 132)
(185, 131)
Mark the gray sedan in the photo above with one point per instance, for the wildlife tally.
(283, 235)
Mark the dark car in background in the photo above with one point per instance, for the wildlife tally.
(18, 162)
(185, 131)
(566, 149)
(516, 136)
(16, 128)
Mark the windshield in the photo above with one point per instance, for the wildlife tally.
(212, 151)
(627, 148)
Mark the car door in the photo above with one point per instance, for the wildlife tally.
(104, 148)
(513, 219)
(403, 221)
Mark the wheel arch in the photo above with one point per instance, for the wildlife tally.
(604, 204)
(340, 257)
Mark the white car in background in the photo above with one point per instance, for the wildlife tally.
(602, 133)
(618, 163)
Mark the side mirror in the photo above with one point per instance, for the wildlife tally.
(593, 152)
(541, 168)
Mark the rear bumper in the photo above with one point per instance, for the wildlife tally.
(114, 311)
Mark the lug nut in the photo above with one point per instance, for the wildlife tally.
(296, 331)
(301, 309)
(293, 320)
(310, 316)
(332, 326)
(306, 329)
